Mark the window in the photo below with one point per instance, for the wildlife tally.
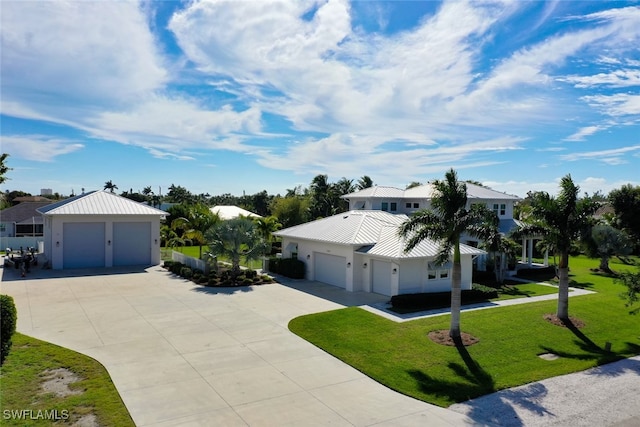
(444, 274)
(3, 228)
(385, 206)
(503, 209)
(407, 205)
(438, 272)
(394, 206)
(416, 205)
(495, 208)
(432, 275)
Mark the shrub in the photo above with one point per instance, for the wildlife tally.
(546, 273)
(8, 320)
(176, 267)
(167, 264)
(186, 272)
(289, 267)
(425, 301)
(213, 282)
(247, 281)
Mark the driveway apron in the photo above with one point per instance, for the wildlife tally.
(181, 354)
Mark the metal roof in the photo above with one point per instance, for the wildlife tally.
(230, 212)
(426, 192)
(349, 228)
(99, 203)
(375, 231)
(376, 192)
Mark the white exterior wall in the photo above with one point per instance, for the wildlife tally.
(54, 225)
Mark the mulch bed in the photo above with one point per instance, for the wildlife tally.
(442, 337)
(553, 319)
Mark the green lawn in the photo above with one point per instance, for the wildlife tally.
(400, 355)
(22, 375)
(525, 290)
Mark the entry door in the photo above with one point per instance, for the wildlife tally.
(381, 277)
(83, 244)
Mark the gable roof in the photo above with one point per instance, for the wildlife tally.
(375, 231)
(99, 203)
(230, 212)
(426, 191)
(22, 212)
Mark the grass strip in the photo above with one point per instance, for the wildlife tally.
(25, 403)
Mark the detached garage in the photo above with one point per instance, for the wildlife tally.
(101, 229)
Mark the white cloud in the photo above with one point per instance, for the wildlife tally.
(616, 105)
(39, 148)
(616, 79)
(86, 53)
(612, 156)
(584, 132)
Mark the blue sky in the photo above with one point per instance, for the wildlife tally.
(233, 96)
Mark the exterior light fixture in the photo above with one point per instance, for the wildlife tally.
(395, 270)
(364, 265)
(348, 265)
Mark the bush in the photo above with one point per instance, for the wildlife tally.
(176, 267)
(167, 264)
(289, 267)
(186, 272)
(8, 320)
(546, 273)
(426, 301)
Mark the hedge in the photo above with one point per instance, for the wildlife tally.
(8, 320)
(478, 293)
(289, 267)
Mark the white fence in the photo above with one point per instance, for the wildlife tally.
(25, 242)
(190, 261)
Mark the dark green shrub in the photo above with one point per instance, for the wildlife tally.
(266, 279)
(427, 301)
(186, 272)
(546, 273)
(213, 282)
(167, 264)
(289, 267)
(8, 320)
(247, 281)
(176, 267)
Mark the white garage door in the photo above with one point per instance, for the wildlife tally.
(83, 244)
(131, 243)
(330, 269)
(381, 277)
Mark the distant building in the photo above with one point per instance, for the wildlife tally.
(46, 192)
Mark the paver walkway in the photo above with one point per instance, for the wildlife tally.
(181, 354)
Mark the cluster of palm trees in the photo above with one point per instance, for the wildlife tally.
(558, 220)
(234, 239)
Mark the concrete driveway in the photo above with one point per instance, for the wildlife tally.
(181, 354)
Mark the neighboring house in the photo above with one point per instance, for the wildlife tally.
(398, 201)
(360, 250)
(101, 229)
(230, 212)
(22, 220)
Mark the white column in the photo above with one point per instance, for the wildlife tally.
(530, 249)
(523, 258)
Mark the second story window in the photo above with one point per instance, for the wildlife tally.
(385, 206)
(394, 206)
(500, 210)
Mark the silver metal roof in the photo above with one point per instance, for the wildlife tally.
(99, 203)
(376, 231)
(426, 192)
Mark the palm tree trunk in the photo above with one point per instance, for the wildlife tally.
(563, 286)
(456, 293)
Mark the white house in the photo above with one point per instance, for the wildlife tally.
(360, 250)
(396, 200)
(101, 229)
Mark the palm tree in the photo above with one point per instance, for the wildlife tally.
(109, 185)
(267, 225)
(364, 182)
(498, 245)
(560, 221)
(445, 223)
(234, 239)
(198, 220)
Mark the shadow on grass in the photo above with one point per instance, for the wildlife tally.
(591, 350)
(508, 290)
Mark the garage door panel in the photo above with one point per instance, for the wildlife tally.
(131, 243)
(83, 244)
(330, 269)
(381, 277)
